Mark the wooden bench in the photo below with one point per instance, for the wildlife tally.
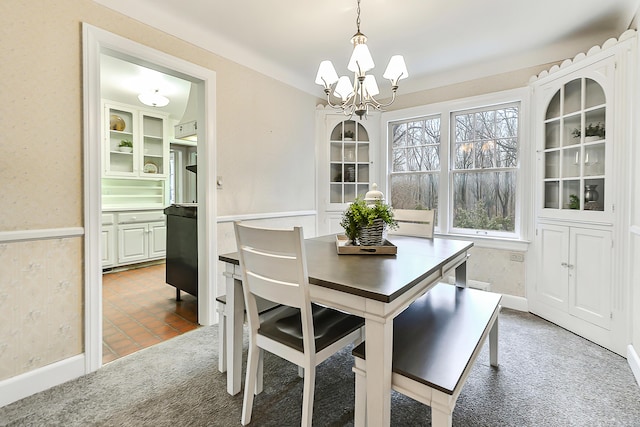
(436, 340)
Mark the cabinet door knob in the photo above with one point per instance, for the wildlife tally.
(564, 264)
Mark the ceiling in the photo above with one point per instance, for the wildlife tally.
(443, 41)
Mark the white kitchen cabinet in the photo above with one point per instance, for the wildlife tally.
(108, 240)
(574, 276)
(139, 236)
(148, 133)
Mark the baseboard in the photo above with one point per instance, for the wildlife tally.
(21, 386)
(634, 362)
(514, 303)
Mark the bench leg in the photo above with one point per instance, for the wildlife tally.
(222, 339)
(441, 418)
(493, 343)
(260, 377)
(360, 408)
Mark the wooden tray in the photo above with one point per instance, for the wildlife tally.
(344, 247)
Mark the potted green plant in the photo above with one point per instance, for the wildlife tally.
(126, 146)
(365, 224)
(592, 131)
(574, 202)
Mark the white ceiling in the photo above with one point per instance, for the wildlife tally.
(443, 41)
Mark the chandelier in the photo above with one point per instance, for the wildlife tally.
(358, 97)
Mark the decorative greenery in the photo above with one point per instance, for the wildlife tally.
(591, 130)
(126, 143)
(348, 134)
(574, 202)
(360, 214)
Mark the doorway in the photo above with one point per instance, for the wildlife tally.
(96, 43)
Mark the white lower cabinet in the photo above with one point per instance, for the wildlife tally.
(574, 279)
(108, 240)
(140, 235)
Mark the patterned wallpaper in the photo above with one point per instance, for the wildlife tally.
(41, 299)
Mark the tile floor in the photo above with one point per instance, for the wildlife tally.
(140, 310)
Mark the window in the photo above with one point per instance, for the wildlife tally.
(462, 159)
(415, 164)
(484, 168)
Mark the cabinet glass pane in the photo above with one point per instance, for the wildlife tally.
(336, 172)
(336, 193)
(573, 96)
(350, 152)
(594, 159)
(363, 152)
(349, 192)
(594, 94)
(363, 173)
(594, 194)
(595, 125)
(362, 134)
(552, 164)
(571, 162)
(362, 190)
(349, 173)
(551, 194)
(552, 134)
(335, 152)
(553, 110)
(569, 188)
(572, 127)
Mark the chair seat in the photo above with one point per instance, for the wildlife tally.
(285, 325)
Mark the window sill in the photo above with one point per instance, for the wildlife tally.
(491, 242)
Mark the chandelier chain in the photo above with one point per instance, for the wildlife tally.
(358, 16)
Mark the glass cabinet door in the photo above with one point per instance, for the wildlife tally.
(153, 146)
(348, 162)
(120, 157)
(574, 147)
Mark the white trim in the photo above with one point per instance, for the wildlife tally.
(42, 234)
(248, 217)
(634, 229)
(514, 302)
(634, 362)
(27, 384)
(95, 42)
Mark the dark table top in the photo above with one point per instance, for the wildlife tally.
(379, 277)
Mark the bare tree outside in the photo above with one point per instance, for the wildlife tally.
(484, 166)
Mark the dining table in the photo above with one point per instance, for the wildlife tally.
(374, 286)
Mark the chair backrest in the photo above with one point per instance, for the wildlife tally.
(274, 267)
(419, 222)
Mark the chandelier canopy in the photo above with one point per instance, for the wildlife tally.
(358, 97)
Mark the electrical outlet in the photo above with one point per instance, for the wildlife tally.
(516, 256)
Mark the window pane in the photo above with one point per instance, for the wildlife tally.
(464, 127)
(507, 122)
(484, 125)
(507, 153)
(464, 156)
(484, 201)
(399, 132)
(414, 191)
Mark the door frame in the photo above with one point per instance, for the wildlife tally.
(95, 42)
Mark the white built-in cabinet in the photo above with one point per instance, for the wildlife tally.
(131, 237)
(148, 133)
(574, 271)
(580, 127)
(347, 150)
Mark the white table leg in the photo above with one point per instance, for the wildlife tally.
(493, 343)
(234, 321)
(379, 346)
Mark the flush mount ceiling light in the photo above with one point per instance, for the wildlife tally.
(153, 99)
(358, 97)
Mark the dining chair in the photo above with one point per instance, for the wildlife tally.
(274, 267)
(414, 222)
